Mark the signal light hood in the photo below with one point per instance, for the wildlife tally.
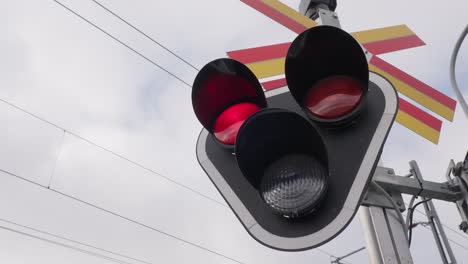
(264, 139)
(221, 84)
(321, 53)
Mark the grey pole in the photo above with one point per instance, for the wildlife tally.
(385, 238)
(453, 80)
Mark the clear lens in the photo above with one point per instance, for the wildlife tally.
(294, 184)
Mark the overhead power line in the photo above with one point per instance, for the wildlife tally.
(451, 240)
(94, 254)
(167, 234)
(132, 220)
(73, 241)
(114, 153)
(144, 34)
(122, 43)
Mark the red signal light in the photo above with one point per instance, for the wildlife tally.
(334, 97)
(224, 94)
(328, 75)
(230, 120)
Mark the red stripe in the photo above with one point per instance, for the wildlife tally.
(420, 115)
(276, 15)
(260, 53)
(390, 45)
(270, 85)
(269, 52)
(415, 83)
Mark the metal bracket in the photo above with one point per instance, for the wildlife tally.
(462, 204)
(376, 198)
(446, 191)
(327, 17)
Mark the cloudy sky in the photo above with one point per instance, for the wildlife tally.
(119, 133)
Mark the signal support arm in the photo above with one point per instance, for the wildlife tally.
(378, 209)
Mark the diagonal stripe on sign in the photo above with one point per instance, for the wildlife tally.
(384, 33)
(260, 53)
(413, 88)
(419, 121)
(391, 45)
(282, 14)
(267, 68)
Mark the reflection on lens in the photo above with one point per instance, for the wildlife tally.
(293, 185)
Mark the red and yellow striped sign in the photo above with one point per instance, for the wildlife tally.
(419, 121)
(282, 14)
(413, 88)
(268, 61)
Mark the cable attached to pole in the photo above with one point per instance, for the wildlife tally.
(410, 215)
(395, 206)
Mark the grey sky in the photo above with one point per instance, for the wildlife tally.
(63, 70)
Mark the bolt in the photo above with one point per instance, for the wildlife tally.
(390, 171)
(398, 203)
(464, 226)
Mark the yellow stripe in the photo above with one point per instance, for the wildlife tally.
(382, 34)
(417, 96)
(418, 127)
(291, 13)
(267, 68)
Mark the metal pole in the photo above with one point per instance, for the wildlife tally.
(453, 80)
(386, 241)
(370, 235)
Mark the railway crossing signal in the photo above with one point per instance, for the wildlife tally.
(293, 167)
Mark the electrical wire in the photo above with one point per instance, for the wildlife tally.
(124, 218)
(395, 206)
(65, 245)
(453, 79)
(73, 241)
(410, 213)
(122, 43)
(339, 260)
(410, 205)
(144, 34)
(451, 240)
(128, 220)
(146, 58)
(114, 153)
(462, 235)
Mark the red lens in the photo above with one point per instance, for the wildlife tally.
(334, 97)
(230, 120)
